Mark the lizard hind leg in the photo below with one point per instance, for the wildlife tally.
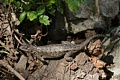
(43, 60)
(68, 56)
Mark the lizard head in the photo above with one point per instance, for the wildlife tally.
(25, 47)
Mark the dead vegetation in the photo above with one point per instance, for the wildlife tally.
(15, 64)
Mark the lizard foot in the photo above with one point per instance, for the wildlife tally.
(69, 59)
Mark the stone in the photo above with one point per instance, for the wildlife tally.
(87, 24)
(109, 8)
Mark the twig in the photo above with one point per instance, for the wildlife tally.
(6, 65)
(24, 2)
(17, 39)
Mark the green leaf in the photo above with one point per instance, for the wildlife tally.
(40, 10)
(50, 2)
(11, 1)
(22, 16)
(60, 10)
(7, 1)
(52, 11)
(59, 6)
(90, 4)
(17, 3)
(27, 7)
(44, 19)
(73, 5)
(32, 15)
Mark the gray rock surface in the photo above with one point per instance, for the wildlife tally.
(88, 24)
(109, 8)
(116, 55)
(83, 12)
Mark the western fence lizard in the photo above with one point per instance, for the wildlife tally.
(56, 50)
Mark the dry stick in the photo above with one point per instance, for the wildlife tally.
(24, 2)
(6, 65)
(17, 39)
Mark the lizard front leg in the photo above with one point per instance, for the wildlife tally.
(68, 56)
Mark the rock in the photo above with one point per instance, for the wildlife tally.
(80, 74)
(87, 24)
(96, 76)
(115, 53)
(92, 77)
(88, 77)
(21, 65)
(109, 8)
(83, 12)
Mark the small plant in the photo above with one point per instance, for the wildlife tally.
(39, 9)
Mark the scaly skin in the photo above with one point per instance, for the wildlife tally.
(56, 50)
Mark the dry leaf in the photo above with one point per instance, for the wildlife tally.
(98, 52)
(94, 48)
(97, 63)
